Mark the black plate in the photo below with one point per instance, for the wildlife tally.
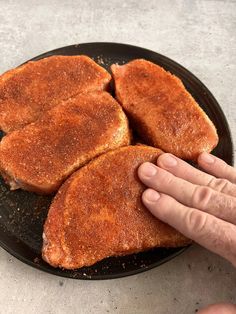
(22, 214)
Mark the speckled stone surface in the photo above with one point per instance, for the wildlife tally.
(198, 34)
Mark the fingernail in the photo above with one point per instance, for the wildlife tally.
(151, 196)
(148, 170)
(169, 161)
(207, 158)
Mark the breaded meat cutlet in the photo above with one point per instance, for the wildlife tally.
(162, 111)
(40, 156)
(35, 87)
(98, 213)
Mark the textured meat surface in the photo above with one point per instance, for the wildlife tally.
(162, 111)
(31, 89)
(41, 155)
(98, 213)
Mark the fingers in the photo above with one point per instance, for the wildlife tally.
(185, 171)
(184, 189)
(209, 231)
(191, 195)
(217, 167)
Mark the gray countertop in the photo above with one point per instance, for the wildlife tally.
(198, 34)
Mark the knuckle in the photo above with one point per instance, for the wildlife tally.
(220, 185)
(201, 196)
(196, 222)
(225, 205)
(166, 178)
(228, 172)
(223, 167)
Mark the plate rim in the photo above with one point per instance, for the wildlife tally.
(181, 249)
(63, 274)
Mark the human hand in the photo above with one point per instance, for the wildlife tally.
(201, 206)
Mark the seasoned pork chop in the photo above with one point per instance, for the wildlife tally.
(162, 111)
(98, 213)
(35, 87)
(40, 156)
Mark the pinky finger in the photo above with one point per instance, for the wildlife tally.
(212, 233)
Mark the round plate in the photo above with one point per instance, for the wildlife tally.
(22, 214)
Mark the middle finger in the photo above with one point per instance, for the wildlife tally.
(189, 194)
